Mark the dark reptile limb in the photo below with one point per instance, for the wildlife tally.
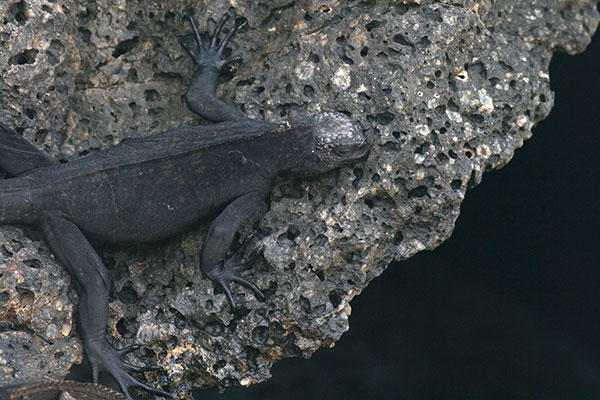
(208, 61)
(83, 263)
(220, 234)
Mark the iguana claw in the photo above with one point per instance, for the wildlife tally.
(230, 271)
(210, 51)
(102, 356)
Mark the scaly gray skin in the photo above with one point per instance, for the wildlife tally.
(148, 189)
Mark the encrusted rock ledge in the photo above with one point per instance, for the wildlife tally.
(444, 90)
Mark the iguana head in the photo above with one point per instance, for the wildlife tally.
(337, 141)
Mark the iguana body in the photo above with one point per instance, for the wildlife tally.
(148, 189)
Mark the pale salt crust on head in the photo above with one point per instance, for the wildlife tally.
(334, 128)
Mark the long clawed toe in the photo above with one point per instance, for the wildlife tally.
(104, 357)
(126, 381)
(224, 283)
(127, 350)
(188, 48)
(218, 28)
(212, 48)
(228, 37)
(231, 272)
(244, 282)
(147, 388)
(148, 368)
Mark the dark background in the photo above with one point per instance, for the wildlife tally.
(509, 306)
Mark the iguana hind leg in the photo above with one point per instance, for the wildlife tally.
(208, 60)
(92, 283)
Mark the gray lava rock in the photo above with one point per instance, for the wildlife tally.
(444, 90)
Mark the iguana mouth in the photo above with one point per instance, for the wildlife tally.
(355, 155)
(363, 153)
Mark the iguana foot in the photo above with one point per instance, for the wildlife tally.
(230, 271)
(210, 51)
(102, 356)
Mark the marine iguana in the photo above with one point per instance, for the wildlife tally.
(151, 188)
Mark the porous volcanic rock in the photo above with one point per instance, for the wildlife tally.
(444, 91)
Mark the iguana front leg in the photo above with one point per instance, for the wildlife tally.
(92, 283)
(208, 61)
(215, 265)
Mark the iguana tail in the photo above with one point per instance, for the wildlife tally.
(17, 155)
(16, 205)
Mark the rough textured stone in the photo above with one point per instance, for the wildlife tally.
(36, 308)
(444, 90)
